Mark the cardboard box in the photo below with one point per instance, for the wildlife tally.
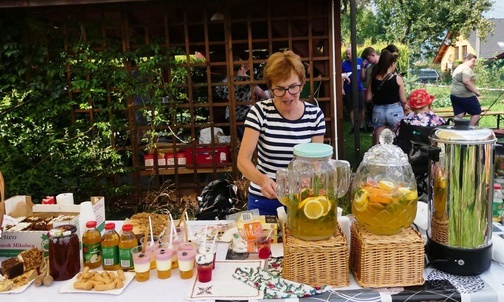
(13, 242)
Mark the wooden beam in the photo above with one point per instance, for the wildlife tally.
(40, 3)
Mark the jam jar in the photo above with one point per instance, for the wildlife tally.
(64, 257)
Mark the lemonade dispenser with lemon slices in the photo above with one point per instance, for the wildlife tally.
(310, 188)
(384, 190)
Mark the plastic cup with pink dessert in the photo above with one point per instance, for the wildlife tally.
(163, 255)
(141, 262)
(186, 263)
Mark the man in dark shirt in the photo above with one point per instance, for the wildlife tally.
(346, 68)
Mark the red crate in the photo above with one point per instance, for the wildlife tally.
(206, 156)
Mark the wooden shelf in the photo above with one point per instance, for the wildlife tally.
(171, 171)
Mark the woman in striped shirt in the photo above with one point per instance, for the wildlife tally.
(274, 127)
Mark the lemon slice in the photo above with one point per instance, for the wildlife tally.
(386, 185)
(313, 209)
(326, 203)
(302, 203)
(361, 200)
(407, 193)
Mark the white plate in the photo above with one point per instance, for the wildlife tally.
(68, 288)
(18, 290)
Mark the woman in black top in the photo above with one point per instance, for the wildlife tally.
(386, 91)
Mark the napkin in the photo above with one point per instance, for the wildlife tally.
(275, 287)
(497, 248)
(277, 250)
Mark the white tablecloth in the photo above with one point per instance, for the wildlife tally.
(486, 287)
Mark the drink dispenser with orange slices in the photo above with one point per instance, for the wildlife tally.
(310, 188)
(384, 190)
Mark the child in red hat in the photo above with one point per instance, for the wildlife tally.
(422, 115)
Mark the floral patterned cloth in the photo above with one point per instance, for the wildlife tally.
(275, 287)
(426, 119)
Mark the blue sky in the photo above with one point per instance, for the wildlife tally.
(497, 10)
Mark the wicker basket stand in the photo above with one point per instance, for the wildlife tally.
(386, 261)
(316, 263)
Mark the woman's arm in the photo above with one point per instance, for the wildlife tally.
(369, 93)
(469, 85)
(248, 169)
(318, 139)
(402, 93)
(260, 94)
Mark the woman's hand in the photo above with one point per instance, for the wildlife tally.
(268, 187)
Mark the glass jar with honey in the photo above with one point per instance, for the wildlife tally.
(64, 257)
(310, 188)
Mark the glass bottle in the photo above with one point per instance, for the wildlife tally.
(91, 246)
(497, 203)
(110, 248)
(127, 241)
(64, 258)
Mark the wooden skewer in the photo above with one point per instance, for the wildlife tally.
(186, 231)
(182, 216)
(146, 235)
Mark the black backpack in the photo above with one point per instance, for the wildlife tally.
(217, 200)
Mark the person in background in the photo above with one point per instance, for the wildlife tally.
(274, 127)
(243, 93)
(420, 102)
(370, 59)
(464, 94)
(394, 51)
(386, 91)
(346, 67)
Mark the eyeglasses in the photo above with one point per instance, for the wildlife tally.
(292, 89)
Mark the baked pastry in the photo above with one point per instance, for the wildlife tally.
(10, 284)
(25, 261)
(12, 267)
(140, 222)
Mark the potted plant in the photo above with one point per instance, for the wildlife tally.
(151, 155)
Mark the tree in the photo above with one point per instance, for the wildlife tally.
(423, 24)
(368, 27)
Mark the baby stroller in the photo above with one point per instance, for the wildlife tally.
(410, 140)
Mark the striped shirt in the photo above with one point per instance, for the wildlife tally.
(278, 136)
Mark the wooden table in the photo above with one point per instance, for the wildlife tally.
(447, 113)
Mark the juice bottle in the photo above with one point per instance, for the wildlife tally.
(91, 246)
(110, 248)
(127, 241)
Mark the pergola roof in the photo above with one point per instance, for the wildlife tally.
(38, 3)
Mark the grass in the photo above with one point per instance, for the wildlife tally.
(353, 154)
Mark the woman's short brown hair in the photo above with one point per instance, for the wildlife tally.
(469, 56)
(280, 65)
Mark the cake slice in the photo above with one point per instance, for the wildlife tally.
(24, 262)
(12, 267)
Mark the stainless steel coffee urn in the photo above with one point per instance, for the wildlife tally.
(459, 235)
